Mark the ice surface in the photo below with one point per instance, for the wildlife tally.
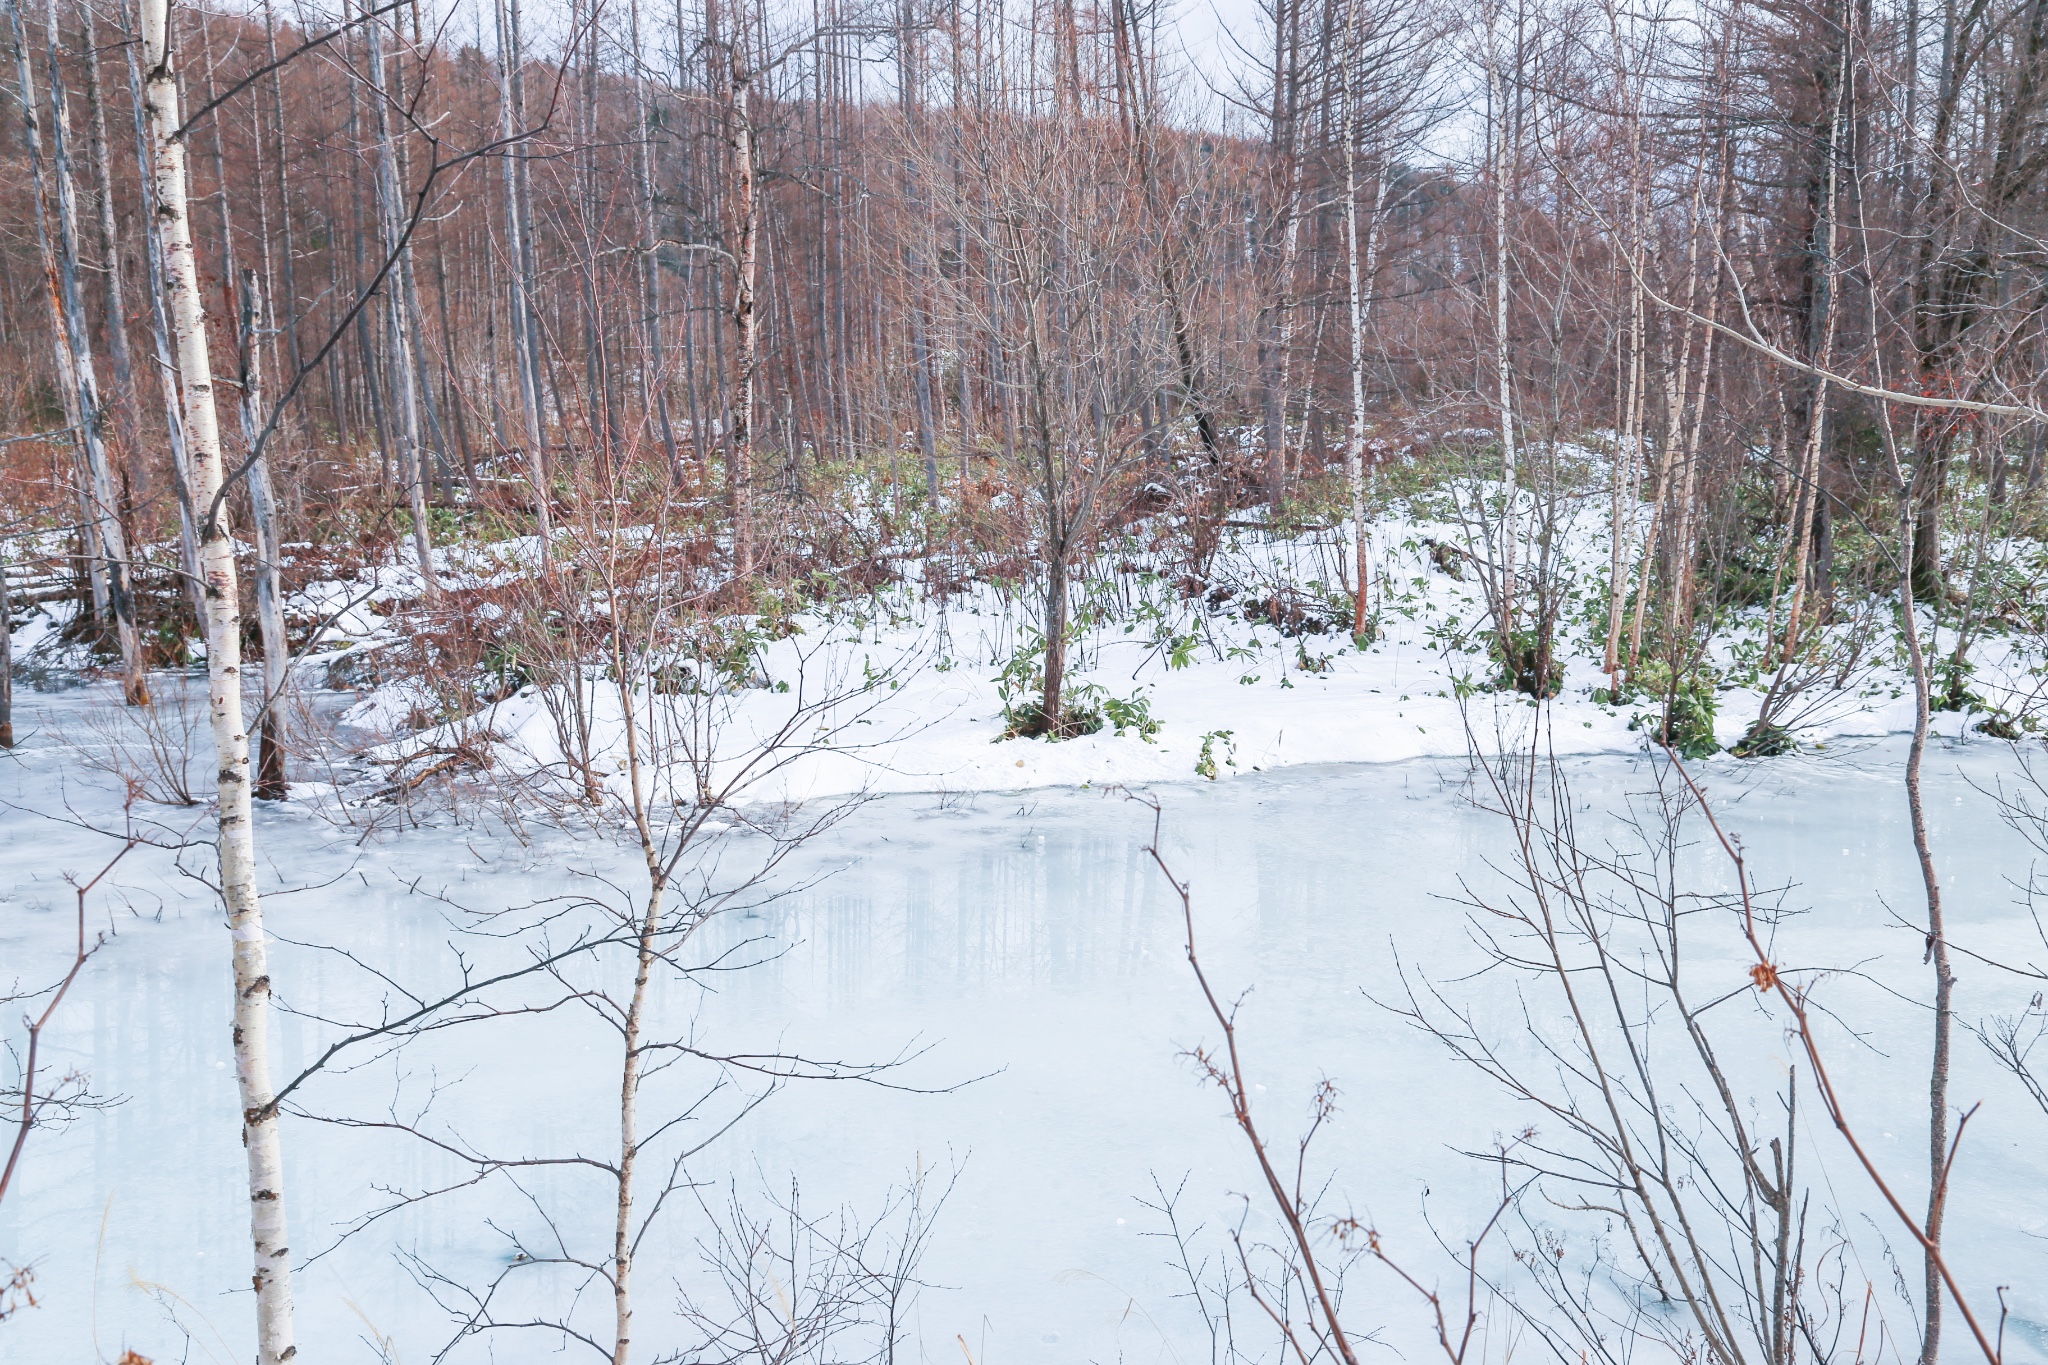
(1026, 940)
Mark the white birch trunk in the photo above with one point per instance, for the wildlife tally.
(166, 362)
(745, 253)
(400, 313)
(1354, 435)
(509, 118)
(63, 361)
(1625, 477)
(646, 952)
(1282, 333)
(654, 367)
(1503, 365)
(107, 230)
(272, 1272)
(57, 203)
(270, 770)
(6, 660)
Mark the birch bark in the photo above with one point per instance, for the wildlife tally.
(1275, 340)
(53, 296)
(56, 200)
(6, 660)
(287, 251)
(1502, 360)
(654, 366)
(1358, 278)
(166, 361)
(109, 235)
(400, 315)
(746, 250)
(510, 118)
(187, 311)
(270, 753)
(1626, 475)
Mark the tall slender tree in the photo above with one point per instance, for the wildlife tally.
(272, 1279)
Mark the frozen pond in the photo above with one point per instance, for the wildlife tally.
(1027, 952)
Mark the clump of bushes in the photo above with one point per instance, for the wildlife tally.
(1686, 721)
(1527, 664)
(1764, 739)
(1085, 708)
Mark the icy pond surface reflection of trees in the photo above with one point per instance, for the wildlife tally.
(1024, 955)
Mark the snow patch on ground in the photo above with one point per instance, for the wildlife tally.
(901, 690)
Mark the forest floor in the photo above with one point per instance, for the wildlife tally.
(917, 682)
(907, 689)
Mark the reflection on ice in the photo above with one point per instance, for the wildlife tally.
(1027, 954)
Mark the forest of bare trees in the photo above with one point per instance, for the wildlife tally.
(457, 266)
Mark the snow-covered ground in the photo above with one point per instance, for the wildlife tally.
(1024, 939)
(904, 690)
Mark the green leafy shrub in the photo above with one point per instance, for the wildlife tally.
(1689, 721)
(1999, 726)
(1133, 713)
(1527, 664)
(1028, 720)
(1206, 764)
(1764, 740)
(1021, 686)
(1951, 690)
(1689, 703)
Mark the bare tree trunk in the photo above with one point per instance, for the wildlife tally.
(910, 97)
(270, 754)
(420, 343)
(272, 1275)
(1658, 496)
(1937, 952)
(646, 951)
(1358, 277)
(1684, 414)
(1275, 335)
(1938, 1153)
(1058, 528)
(400, 314)
(1052, 702)
(746, 238)
(692, 389)
(72, 340)
(6, 660)
(920, 359)
(451, 374)
(109, 234)
(164, 355)
(1502, 356)
(964, 368)
(510, 124)
(124, 409)
(1810, 491)
(654, 368)
(603, 431)
(1626, 475)
(287, 244)
(63, 361)
(1138, 128)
